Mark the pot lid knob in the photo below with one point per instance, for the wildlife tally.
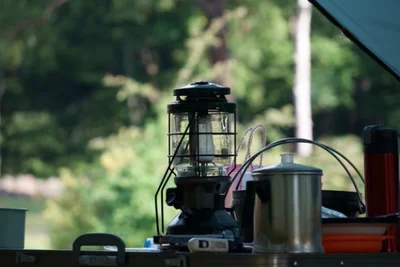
(287, 158)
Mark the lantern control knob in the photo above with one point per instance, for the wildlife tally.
(172, 198)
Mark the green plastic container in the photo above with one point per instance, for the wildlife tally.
(12, 228)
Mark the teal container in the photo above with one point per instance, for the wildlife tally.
(12, 228)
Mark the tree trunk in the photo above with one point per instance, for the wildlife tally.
(302, 77)
(2, 92)
(214, 9)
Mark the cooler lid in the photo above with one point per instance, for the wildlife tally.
(373, 25)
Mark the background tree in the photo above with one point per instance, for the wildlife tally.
(302, 76)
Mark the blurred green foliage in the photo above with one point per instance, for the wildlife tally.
(86, 84)
(117, 195)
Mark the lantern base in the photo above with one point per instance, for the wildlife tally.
(203, 222)
(207, 223)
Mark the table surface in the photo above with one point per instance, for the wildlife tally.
(68, 258)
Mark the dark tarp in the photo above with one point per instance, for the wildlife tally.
(374, 25)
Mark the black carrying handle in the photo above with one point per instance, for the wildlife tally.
(99, 239)
(290, 140)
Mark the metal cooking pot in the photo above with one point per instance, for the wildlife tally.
(287, 209)
(345, 202)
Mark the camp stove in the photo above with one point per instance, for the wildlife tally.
(202, 138)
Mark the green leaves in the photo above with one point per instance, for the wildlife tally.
(334, 68)
(33, 136)
(262, 51)
(119, 197)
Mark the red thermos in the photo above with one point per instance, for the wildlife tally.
(381, 171)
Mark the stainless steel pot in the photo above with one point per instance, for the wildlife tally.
(287, 209)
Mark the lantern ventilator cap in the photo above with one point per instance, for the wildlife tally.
(201, 97)
(202, 89)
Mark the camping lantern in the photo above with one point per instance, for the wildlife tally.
(202, 141)
(202, 127)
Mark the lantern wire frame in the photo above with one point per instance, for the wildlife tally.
(159, 195)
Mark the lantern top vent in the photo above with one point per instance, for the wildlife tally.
(202, 97)
(202, 89)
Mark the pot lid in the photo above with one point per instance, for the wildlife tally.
(287, 166)
(373, 25)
